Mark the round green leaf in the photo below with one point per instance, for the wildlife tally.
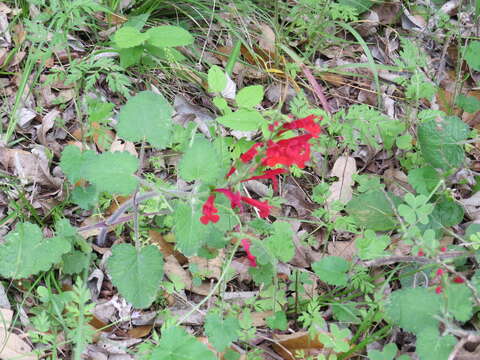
(250, 96)
(242, 120)
(136, 274)
(168, 36)
(128, 37)
(147, 116)
(471, 55)
(217, 80)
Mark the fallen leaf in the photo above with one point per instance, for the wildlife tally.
(287, 345)
(266, 40)
(166, 247)
(211, 268)
(341, 190)
(344, 249)
(123, 145)
(175, 272)
(12, 345)
(472, 206)
(140, 331)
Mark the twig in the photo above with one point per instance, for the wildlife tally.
(388, 260)
(317, 88)
(103, 224)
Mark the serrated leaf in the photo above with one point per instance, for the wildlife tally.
(131, 56)
(190, 233)
(459, 301)
(446, 213)
(200, 162)
(25, 252)
(73, 162)
(249, 96)
(128, 37)
(332, 270)
(168, 36)
(432, 346)
(280, 243)
(85, 197)
(371, 246)
(217, 80)
(147, 116)
(113, 172)
(424, 179)
(470, 104)
(242, 120)
(373, 210)
(440, 142)
(221, 331)
(278, 321)
(471, 55)
(177, 344)
(346, 312)
(414, 309)
(136, 274)
(388, 353)
(75, 262)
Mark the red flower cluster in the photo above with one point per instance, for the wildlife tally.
(209, 211)
(251, 258)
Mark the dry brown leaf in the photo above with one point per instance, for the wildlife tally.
(211, 268)
(12, 345)
(266, 40)
(122, 145)
(139, 331)
(174, 270)
(341, 190)
(472, 206)
(344, 249)
(287, 345)
(29, 167)
(166, 247)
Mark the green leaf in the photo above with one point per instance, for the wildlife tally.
(373, 210)
(404, 142)
(459, 301)
(360, 5)
(190, 233)
(414, 309)
(136, 274)
(177, 344)
(74, 162)
(424, 179)
(446, 213)
(25, 252)
(242, 120)
(168, 36)
(470, 104)
(250, 96)
(131, 56)
(278, 321)
(221, 331)
(85, 197)
(147, 116)
(75, 262)
(388, 353)
(113, 172)
(280, 243)
(200, 162)
(346, 312)
(371, 246)
(471, 55)
(432, 346)
(332, 270)
(217, 80)
(128, 37)
(440, 142)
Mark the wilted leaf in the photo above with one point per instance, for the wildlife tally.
(341, 190)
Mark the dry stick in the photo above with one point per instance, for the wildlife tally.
(388, 260)
(102, 224)
(317, 89)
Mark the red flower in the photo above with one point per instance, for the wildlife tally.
(251, 258)
(230, 172)
(235, 198)
(307, 124)
(209, 211)
(458, 280)
(269, 174)
(420, 253)
(287, 152)
(438, 289)
(443, 249)
(250, 153)
(439, 272)
(262, 206)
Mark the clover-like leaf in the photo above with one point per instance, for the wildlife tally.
(332, 270)
(136, 273)
(25, 252)
(168, 36)
(146, 116)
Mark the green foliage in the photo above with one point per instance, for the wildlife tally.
(75, 262)
(337, 339)
(168, 36)
(221, 331)
(136, 273)
(446, 213)
(217, 80)
(146, 117)
(332, 270)
(373, 210)
(176, 344)
(280, 243)
(432, 346)
(423, 179)
(26, 252)
(110, 172)
(471, 55)
(416, 209)
(278, 321)
(242, 120)
(249, 96)
(470, 104)
(414, 309)
(459, 301)
(200, 162)
(371, 246)
(128, 37)
(440, 142)
(388, 353)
